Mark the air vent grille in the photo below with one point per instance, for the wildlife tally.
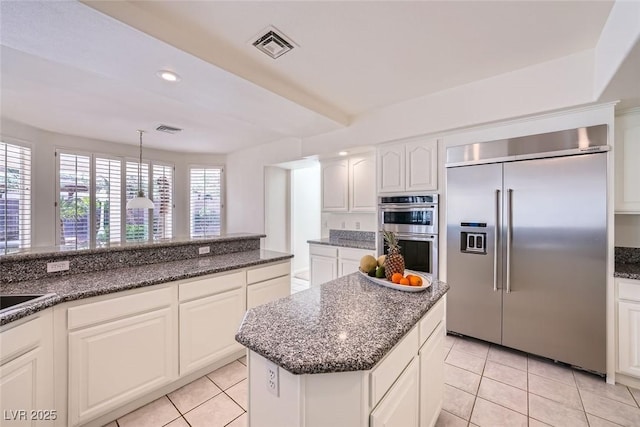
(273, 43)
(168, 129)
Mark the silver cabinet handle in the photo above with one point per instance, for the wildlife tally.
(495, 243)
(509, 230)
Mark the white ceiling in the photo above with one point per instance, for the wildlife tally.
(71, 69)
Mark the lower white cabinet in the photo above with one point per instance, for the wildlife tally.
(400, 407)
(629, 327)
(330, 262)
(432, 377)
(119, 350)
(26, 372)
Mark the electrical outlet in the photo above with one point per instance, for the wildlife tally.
(357, 225)
(343, 225)
(53, 267)
(204, 250)
(273, 380)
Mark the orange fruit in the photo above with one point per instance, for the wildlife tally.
(396, 277)
(415, 281)
(404, 281)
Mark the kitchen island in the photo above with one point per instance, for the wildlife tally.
(348, 353)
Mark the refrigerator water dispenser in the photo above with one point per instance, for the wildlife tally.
(473, 242)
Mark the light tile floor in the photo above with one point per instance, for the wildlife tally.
(485, 385)
(489, 385)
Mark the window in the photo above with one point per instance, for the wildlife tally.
(93, 192)
(205, 201)
(15, 197)
(163, 201)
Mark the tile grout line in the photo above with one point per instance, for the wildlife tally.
(573, 374)
(179, 412)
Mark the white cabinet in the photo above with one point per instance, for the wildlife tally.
(119, 350)
(627, 159)
(323, 264)
(335, 185)
(348, 185)
(432, 377)
(330, 262)
(26, 372)
(265, 284)
(629, 327)
(211, 311)
(408, 167)
(400, 407)
(362, 178)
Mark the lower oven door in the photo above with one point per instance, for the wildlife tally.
(420, 251)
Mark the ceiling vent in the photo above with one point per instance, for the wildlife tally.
(168, 129)
(272, 42)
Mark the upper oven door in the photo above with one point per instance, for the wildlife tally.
(421, 218)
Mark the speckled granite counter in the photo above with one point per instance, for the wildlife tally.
(345, 243)
(348, 324)
(78, 286)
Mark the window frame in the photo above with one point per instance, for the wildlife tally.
(223, 216)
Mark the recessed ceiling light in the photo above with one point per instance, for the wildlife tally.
(343, 153)
(169, 76)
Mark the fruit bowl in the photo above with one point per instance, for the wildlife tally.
(426, 282)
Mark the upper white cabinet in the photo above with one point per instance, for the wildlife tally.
(627, 159)
(335, 186)
(408, 167)
(348, 185)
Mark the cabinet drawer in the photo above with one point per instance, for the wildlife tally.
(210, 286)
(429, 322)
(20, 339)
(98, 312)
(390, 368)
(328, 251)
(629, 290)
(270, 272)
(354, 254)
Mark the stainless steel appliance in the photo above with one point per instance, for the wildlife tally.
(414, 219)
(527, 244)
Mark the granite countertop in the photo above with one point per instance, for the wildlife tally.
(346, 243)
(79, 286)
(348, 324)
(627, 270)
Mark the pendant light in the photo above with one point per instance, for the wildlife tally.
(140, 201)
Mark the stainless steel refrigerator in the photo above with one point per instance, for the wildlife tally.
(527, 244)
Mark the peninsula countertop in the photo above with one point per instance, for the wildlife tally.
(79, 286)
(348, 324)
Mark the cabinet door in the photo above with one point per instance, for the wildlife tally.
(400, 407)
(627, 159)
(116, 362)
(335, 186)
(390, 171)
(432, 377)
(322, 269)
(269, 290)
(421, 165)
(629, 338)
(208, 327)
(347, 266)
(362, 184)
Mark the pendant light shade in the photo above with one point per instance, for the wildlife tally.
(140, 201)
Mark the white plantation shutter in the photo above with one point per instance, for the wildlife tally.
(137, 225)
(74, 199)
(15, 197)
(205, 201)
(108, 206)
(163, 201)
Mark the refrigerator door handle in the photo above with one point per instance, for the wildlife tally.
(509, 228)
(495, 243)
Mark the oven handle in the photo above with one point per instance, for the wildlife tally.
(417, 237)
(406, 208)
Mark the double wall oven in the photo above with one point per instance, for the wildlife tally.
(414, 220)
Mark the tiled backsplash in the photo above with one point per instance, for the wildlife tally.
(352, 235)
(627, 255)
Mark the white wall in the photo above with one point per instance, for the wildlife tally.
(277, 209)
(44, 145)
(305, 213)
(348, 221)
(627, 230)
